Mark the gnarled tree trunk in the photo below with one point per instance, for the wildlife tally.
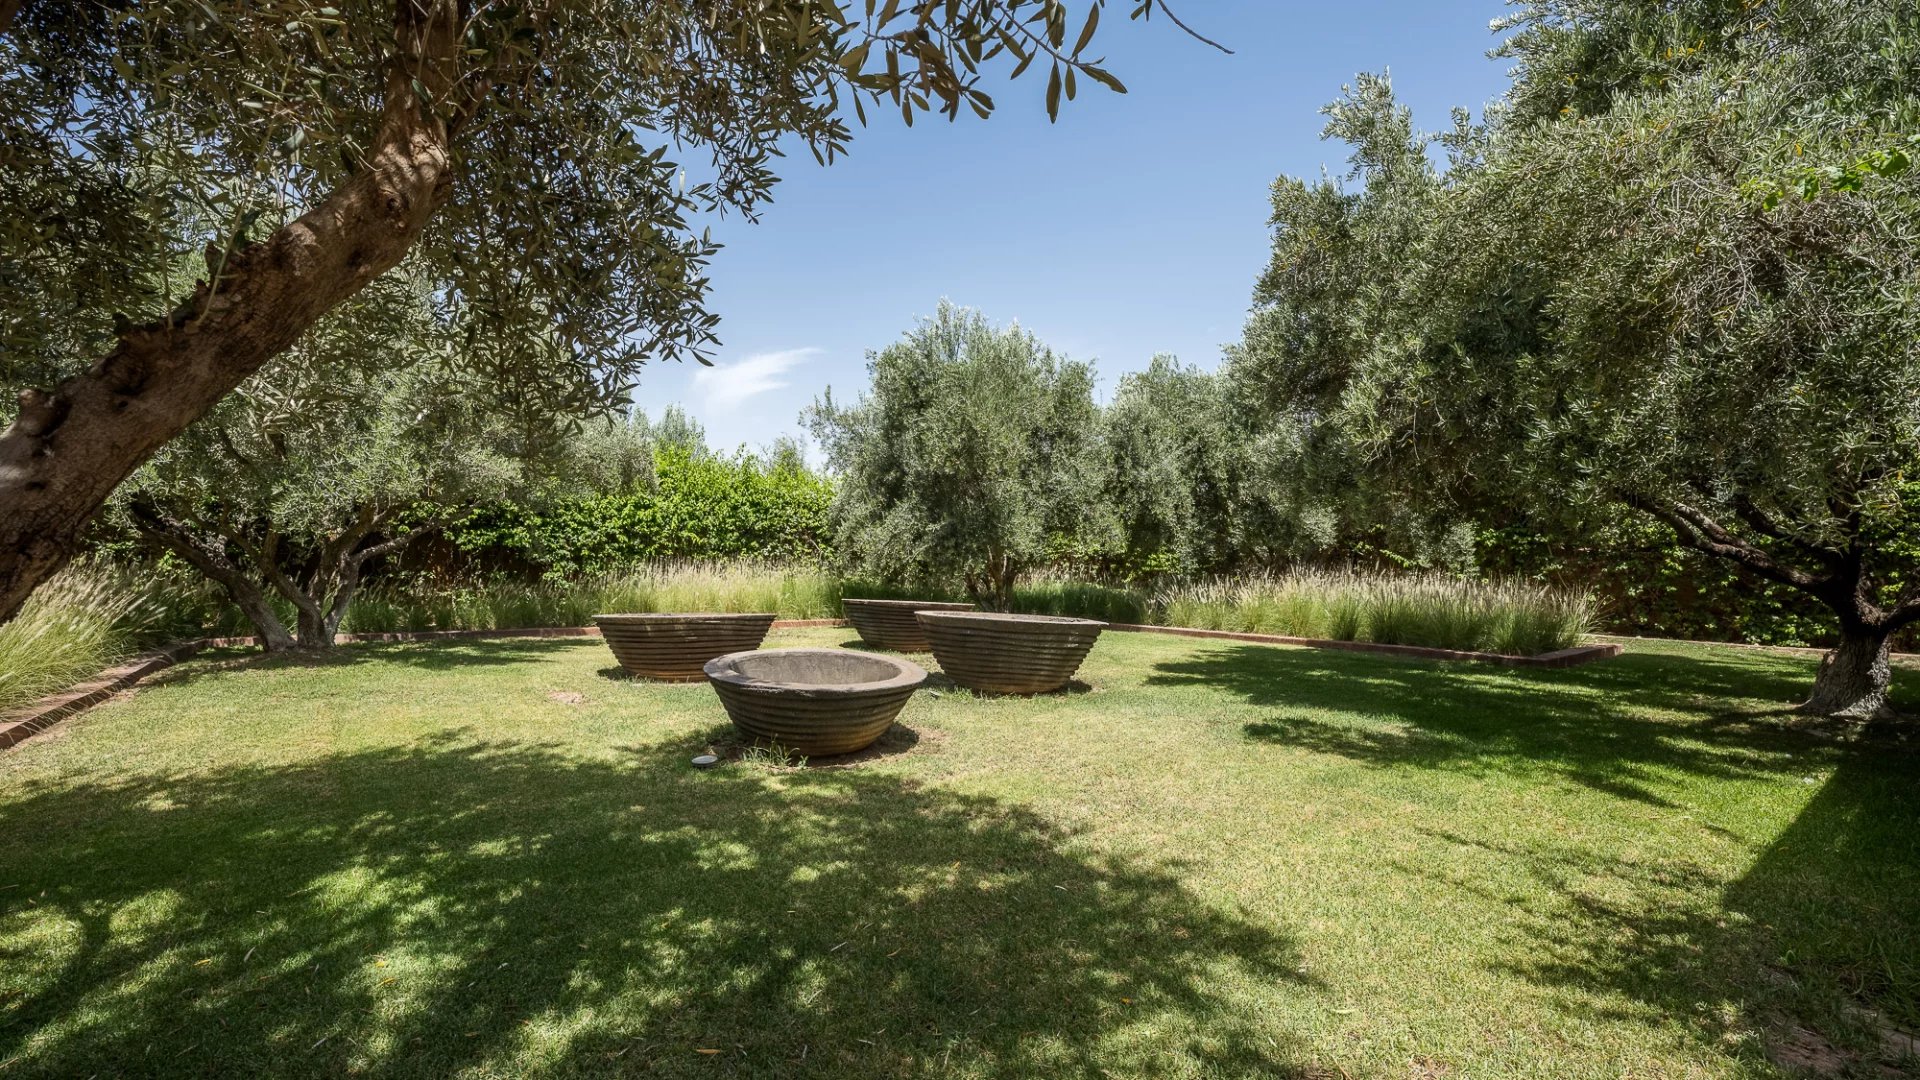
(69, 448)
(1855, 677)
(212, 561)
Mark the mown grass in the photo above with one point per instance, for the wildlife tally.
(1222, 860)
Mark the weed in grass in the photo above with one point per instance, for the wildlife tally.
(772, 756)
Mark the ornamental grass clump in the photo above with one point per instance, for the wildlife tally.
(90, 616)
(1429, 610)
(793, 592)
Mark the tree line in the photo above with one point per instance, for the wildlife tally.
(1666, 286)
(1668, 283)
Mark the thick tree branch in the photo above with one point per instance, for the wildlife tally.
(241, 588)
(1759, 521)
(388, 547)
(1697, 530)
(69, 448)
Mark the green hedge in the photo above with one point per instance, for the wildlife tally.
(702, 507)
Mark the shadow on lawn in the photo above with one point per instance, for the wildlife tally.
(1595, 726)
(430, 655)
(1816, 945)
(505, 909)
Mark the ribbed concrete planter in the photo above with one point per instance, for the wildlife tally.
(676, 647)
(1009, 654)
(889, 624)
(816, 702)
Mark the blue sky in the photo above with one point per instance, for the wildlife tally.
(1133, 226)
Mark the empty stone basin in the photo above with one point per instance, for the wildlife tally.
(889, 624)
(817, 702)
(1009, 654)
(676, 647)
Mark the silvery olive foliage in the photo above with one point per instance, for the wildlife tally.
(974, 449)
(1172, 480)
(365, 438)
(592, 138)
(190, 185)
(1674, 270)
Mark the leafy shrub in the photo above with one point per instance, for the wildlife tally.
(703, 507)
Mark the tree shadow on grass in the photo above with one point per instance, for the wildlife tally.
(430, 655)
(506, 909)
(1811, 957)
(1608, 726)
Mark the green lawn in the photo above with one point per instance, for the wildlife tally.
(1224, 860)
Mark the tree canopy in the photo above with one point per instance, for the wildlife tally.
(1674, 271)
(192, 184)
(975, 448)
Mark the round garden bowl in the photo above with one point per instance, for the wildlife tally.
(889, 624)
(1009, 654)
(676, 647)
(816, 702)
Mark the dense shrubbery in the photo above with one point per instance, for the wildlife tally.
(701, 506)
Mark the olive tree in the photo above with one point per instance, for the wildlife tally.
(1675, 272)
(973, 449)
(190, 185)
(363, 441)
(1170, 460)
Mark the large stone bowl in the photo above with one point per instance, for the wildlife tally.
(816, 702)
(1009, 654)
(676, 647)
(889, 624)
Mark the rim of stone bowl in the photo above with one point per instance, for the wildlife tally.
(667, 616)
(907, 674)
(1005, 617)
(917, 605)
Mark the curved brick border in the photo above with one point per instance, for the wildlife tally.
(49, 711)
(1563, 658)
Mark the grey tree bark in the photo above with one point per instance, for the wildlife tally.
(68, 448)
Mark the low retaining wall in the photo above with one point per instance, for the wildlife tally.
(49, 711)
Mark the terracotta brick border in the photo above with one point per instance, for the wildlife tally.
(49, 711)
(1563, 658)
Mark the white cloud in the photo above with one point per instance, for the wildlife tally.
(725, 386)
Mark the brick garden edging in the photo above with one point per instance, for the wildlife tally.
(49, 711)
(1562, 658)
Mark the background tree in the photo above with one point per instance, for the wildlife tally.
(974, 447)
(261, 164)
(1170, 455)
(360, 444)
(1674, 272)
